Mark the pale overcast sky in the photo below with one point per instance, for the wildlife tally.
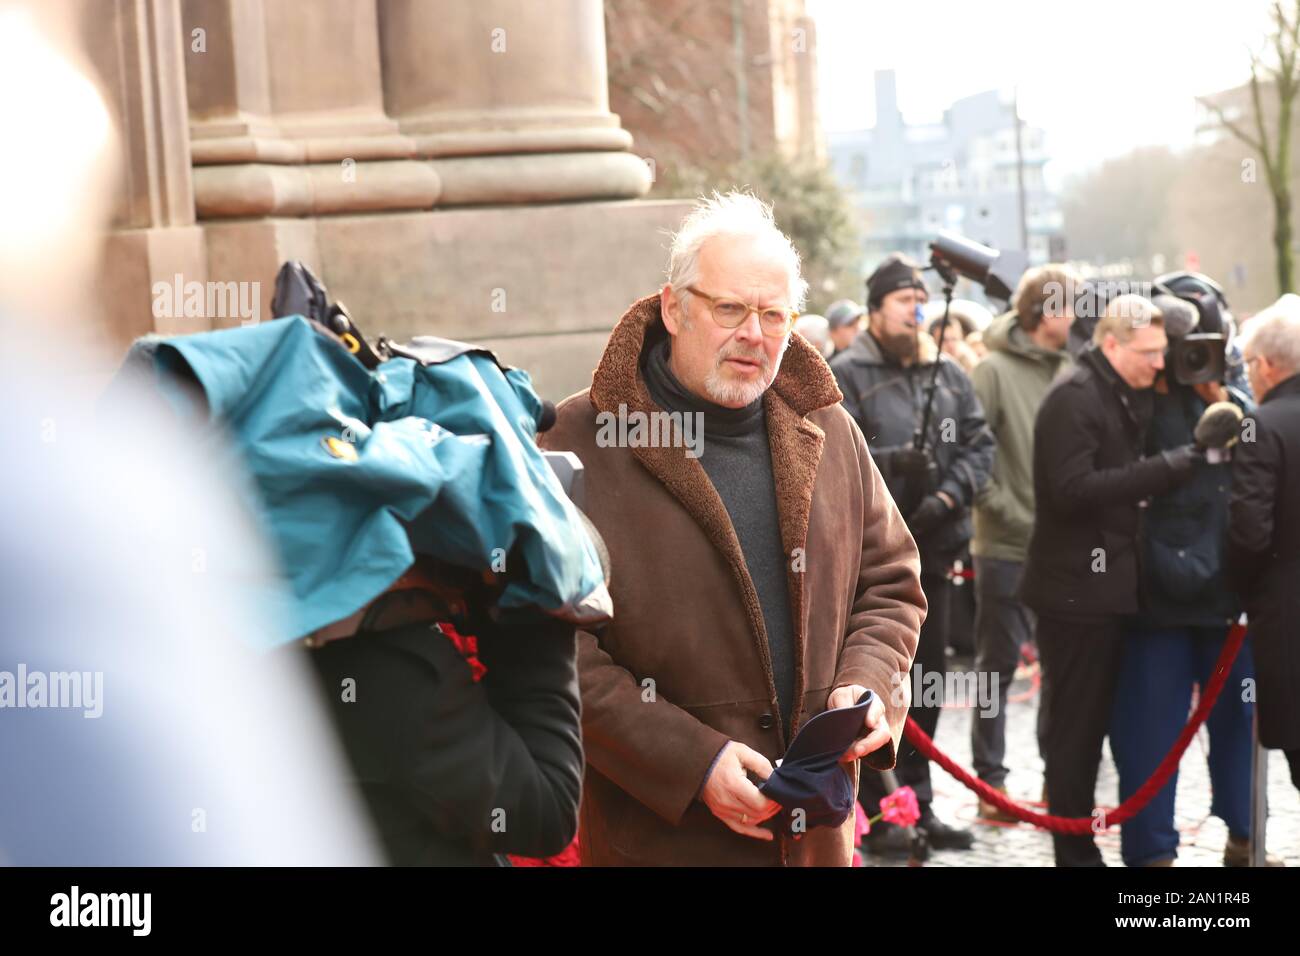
(1100, 77)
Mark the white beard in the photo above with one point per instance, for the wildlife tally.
(730, 392)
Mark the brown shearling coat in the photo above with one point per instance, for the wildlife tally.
(687, 618)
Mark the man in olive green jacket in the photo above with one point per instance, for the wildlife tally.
(1026, 352)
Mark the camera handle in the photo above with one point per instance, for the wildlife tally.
(949, 278)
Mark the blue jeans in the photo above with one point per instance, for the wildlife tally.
(1151, 706)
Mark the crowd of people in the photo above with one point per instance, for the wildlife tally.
(795, 563)
(796, 558)
(1103, 533)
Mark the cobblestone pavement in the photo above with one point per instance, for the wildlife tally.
(1202, 836)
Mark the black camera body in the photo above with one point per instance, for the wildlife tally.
(1198, 357)
(1198, 346)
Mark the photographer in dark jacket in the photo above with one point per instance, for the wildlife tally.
(1081, 572)
(1187, 609)
(1264, 531)
(461, 758)
(884, 384)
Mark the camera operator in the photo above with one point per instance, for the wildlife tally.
(463, 751)
(1081, 568)
(1264, 530)
(884, 382)
(1187, 606)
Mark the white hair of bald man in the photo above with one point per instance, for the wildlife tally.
(817, 331)
(1274, 333)
(730, 215)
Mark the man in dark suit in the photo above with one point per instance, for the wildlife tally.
(1264, 522)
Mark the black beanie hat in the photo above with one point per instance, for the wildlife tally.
(896, 272)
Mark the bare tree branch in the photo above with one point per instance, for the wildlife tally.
(1229, 125)
(1261, 125)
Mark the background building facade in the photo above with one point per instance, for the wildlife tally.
(908, 181)
(712, 82)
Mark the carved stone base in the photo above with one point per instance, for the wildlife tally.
(542, 285)
(541, 177)
(223, 192)
(134, 260)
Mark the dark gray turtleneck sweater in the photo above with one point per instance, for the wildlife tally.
(738, 460)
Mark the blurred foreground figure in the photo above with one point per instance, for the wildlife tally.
(137, 725)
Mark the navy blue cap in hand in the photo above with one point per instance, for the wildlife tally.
(811, 778)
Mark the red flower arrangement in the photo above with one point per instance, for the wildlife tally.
(900, 807)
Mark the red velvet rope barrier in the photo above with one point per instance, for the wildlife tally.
(1141, 797)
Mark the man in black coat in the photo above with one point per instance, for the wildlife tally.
(459, 765)
(1264, 522)
(884, 381)
(1081, 571)
(1173, 644)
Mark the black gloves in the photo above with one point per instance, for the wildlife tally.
(916, 466)
(1183, 460)
(929, 514)
(911, 462)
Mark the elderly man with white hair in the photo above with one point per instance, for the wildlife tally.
(759, 577)
(1264, 524)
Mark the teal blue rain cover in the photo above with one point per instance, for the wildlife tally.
(354, 471)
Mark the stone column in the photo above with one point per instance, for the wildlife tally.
(287, 122)
(510, 100)
(135, 47)
(334, 131)
(287, 113)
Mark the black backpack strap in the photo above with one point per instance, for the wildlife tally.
(299, 292)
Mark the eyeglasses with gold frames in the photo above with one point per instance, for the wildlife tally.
(732, 313)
